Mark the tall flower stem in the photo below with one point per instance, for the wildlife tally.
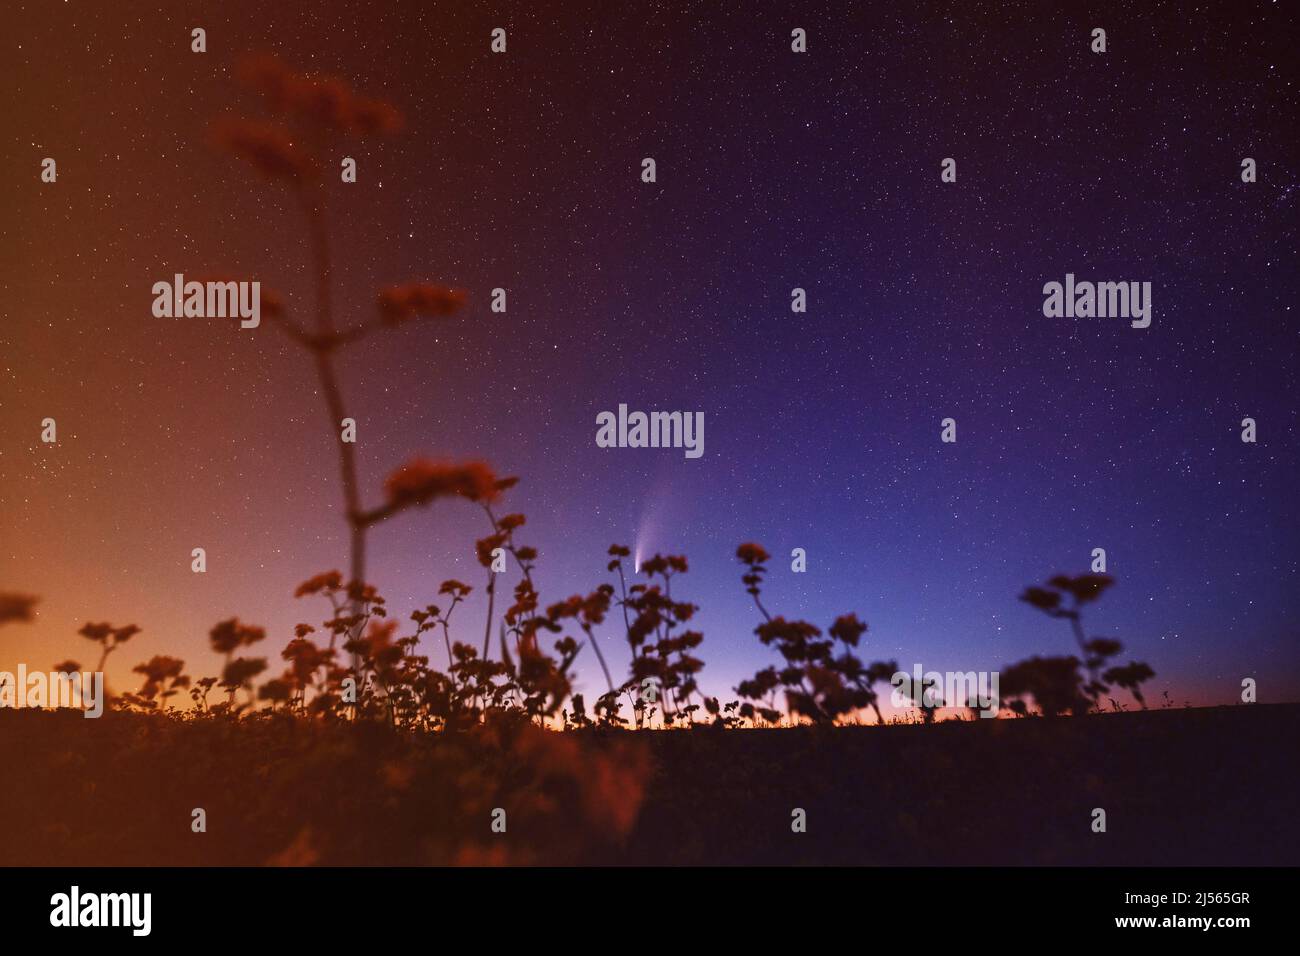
(322, 347)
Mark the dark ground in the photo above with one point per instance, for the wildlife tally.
(1179, 787)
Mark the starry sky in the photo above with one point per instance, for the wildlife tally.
(775, 170)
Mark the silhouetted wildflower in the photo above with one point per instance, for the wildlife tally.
(266, 147)
(17, 607)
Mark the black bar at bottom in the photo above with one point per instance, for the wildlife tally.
(524, 906)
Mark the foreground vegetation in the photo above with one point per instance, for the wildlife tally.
(1179, 786)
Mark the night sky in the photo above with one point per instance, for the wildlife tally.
(775, 170)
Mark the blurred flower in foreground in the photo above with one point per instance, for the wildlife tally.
(421, 481)
(230, 634)
(17, 607)
(268, 148)
(401, 302)
(109, 636)
(324, 100)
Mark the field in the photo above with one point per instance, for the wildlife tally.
(1178, 787)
